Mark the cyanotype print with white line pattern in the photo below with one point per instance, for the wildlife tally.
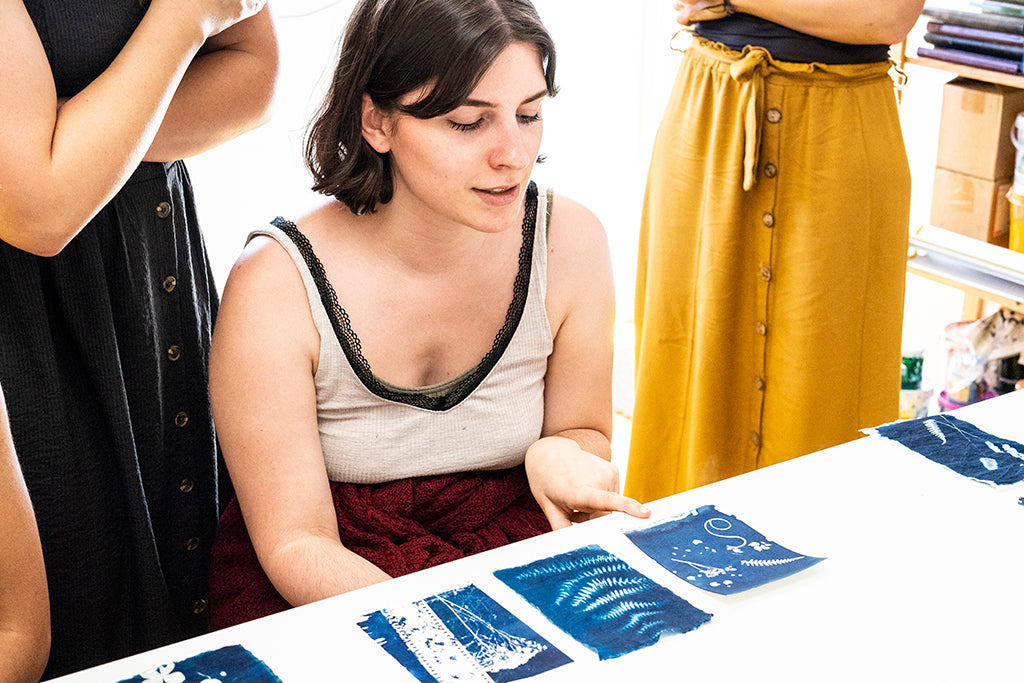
(461, 635)
(601, 601)
(718, 552)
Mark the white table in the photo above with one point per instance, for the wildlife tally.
(924, 581)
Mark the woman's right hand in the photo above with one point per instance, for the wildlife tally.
(573, 485)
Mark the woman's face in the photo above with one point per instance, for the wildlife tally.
(472, 165)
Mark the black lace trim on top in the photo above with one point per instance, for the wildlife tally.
(352, 347)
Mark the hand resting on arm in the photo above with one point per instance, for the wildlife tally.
(844, 21)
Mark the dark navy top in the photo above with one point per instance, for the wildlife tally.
(785, 44)
(103, 361)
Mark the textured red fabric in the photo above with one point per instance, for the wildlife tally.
(401, 526)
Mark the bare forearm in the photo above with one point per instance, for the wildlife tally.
(845, 21)
(313, 569)
(61, 165)
(223, 94)
(105, 129)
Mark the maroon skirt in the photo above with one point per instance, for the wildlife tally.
(401, 526)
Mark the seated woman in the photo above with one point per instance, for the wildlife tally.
(24, 598)
(421, 369)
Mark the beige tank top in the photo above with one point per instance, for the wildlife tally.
(373, 432)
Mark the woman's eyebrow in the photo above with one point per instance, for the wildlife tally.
(491, 105)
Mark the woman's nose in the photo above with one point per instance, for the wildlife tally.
(510, 147)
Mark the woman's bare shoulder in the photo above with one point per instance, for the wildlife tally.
(264, 251)
(575, 232)
(578, 261)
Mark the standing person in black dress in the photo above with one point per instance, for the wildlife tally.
(107, 300)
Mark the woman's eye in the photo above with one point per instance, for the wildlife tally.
(466, 127)
(529, 118)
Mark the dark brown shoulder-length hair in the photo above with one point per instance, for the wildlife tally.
(391, 48)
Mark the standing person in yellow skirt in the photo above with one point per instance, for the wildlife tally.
(772, 253)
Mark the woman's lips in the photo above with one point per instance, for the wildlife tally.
(498, 196)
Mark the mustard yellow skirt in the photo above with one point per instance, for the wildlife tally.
(771, 271)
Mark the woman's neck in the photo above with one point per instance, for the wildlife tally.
(432, 245)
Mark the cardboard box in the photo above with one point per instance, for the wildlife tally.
(971, 206)
(975, 127)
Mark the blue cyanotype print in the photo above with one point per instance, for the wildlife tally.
(461, 635)
(232, 663)
(718, 552)
(961, 447)
(601, 601)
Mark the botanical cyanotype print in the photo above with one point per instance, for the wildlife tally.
(228, 664)
(461, 635)
(601, 601)
(961, 447)
(718, 552)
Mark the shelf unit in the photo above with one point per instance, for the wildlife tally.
(983, 272)
(987, 75)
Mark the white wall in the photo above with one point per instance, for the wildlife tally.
(615, 69)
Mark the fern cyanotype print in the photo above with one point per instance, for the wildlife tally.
(601, 601)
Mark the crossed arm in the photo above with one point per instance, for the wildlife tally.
(845, 21)
(193, 74)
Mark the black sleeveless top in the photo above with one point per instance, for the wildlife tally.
(785, 44)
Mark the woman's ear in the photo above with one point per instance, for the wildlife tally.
(374, 123)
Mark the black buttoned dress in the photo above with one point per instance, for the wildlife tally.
(103, 361)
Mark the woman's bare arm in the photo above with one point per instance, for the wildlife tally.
(569, 469)
(846, 21)
(227, 90)
(265, 351)
(61, 165)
